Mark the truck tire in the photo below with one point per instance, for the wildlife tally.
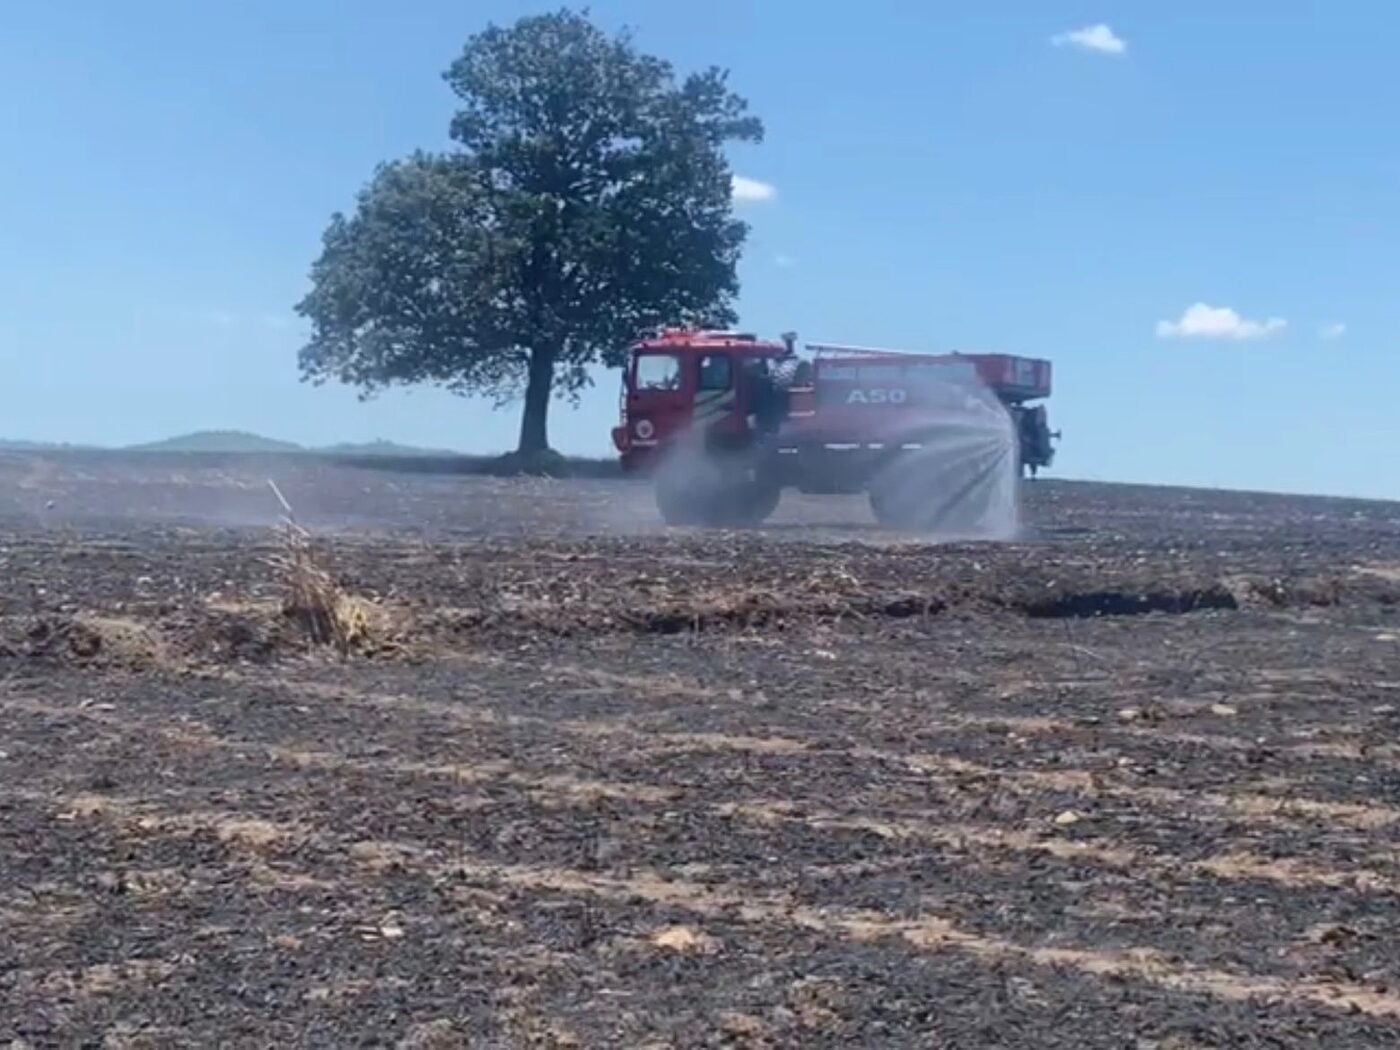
(752, 502)
(701, 487)
(890, 508)
(919, 492)
(683, 490)
(677, 506)
(899, 496)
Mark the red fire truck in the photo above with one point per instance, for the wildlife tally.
(700, 411)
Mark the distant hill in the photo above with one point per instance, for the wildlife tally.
(225, 441)
(36, 446)
(241, 442)
(381, 448)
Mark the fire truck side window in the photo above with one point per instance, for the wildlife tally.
(658, 372)
(716, 372)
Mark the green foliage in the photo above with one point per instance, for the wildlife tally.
(588, 200)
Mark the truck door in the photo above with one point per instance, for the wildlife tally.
(715, 394)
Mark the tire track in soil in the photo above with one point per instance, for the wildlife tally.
(929, 826)
(756, 909)
(1358, 745)
(571, 788)
(1265, 808)
(978, 845)
(939, 716)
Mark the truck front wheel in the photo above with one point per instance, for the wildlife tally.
(755, 501)
(700, 487)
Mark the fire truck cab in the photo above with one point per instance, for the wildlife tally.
(685, 381)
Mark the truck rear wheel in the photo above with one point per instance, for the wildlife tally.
(891, 507)
(968, 496)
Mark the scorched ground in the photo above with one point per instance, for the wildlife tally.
(1131, 782)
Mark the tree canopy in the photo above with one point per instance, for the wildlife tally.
(587, 201)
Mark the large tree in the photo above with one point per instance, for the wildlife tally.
(588, 200)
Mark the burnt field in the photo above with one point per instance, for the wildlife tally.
(578, 780)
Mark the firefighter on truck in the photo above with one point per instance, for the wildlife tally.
(771, 381)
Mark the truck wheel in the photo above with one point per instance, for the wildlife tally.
(894, 506)
(679, 500)
(690, 486)
(752, 502)
(923, 492)
(695, 487)
(675, 507)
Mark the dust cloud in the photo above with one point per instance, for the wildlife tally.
(942, 467)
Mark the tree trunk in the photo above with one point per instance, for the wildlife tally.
(534, 424)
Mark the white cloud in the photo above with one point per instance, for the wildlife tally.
(1333, 331)
(1200, 321)
(784, 262)
(1092, 38)
(752, 190)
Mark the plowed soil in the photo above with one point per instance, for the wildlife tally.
(583, 781)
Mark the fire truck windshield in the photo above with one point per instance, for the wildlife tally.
(658, 372)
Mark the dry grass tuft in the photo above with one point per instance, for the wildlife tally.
(312, 599)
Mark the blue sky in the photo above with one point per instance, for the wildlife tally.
(1001, 176)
